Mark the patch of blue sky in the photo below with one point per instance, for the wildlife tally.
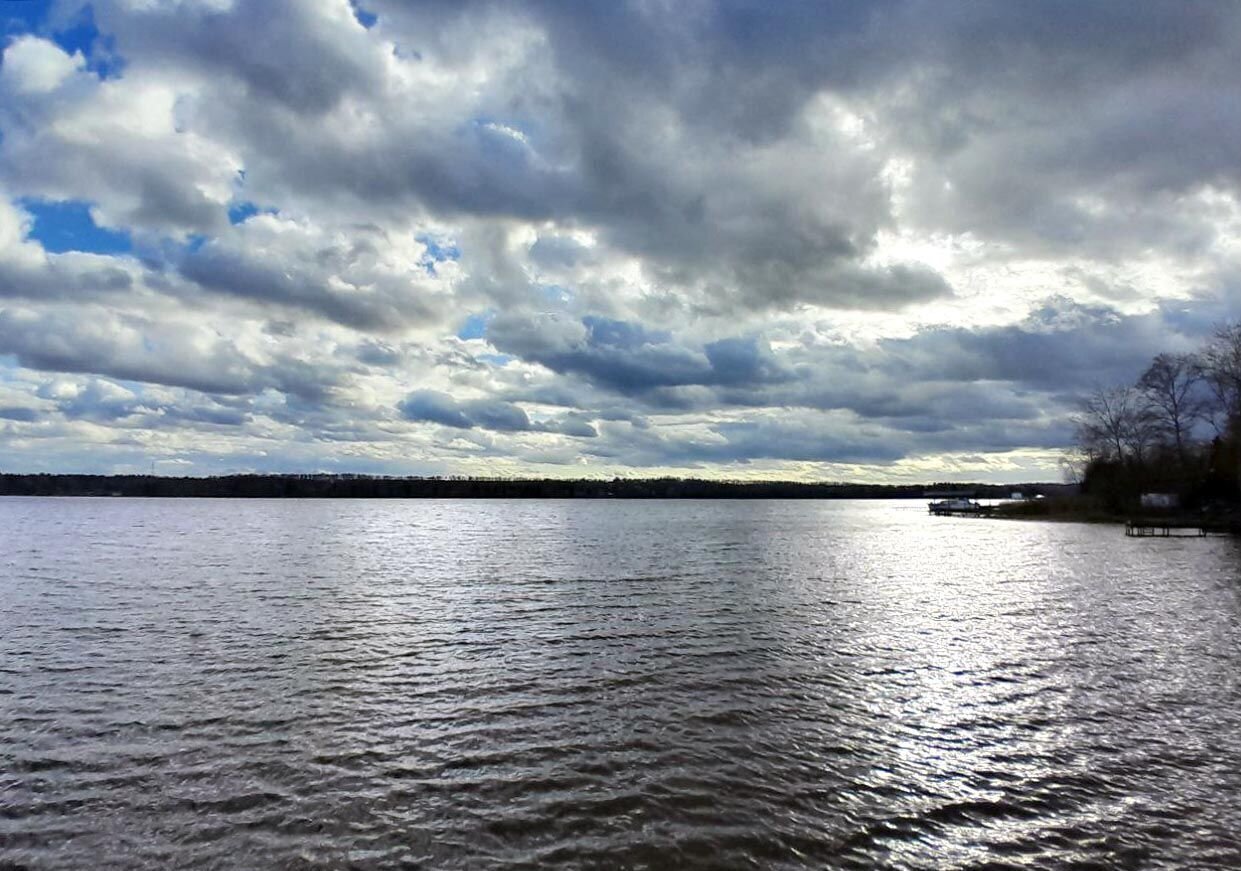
(437, 251)
(499, 360)
(24, 16)
(241, 211)
(475, 326)
(364, 16)
(67, 225)
(74, 30)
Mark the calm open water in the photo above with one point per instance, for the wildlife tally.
(586, 684)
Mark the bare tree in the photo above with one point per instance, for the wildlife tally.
(1220, 368)
(1073, 467)
(1171, 388)
(1115, 425)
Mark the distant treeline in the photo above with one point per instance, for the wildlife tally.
(365, 487)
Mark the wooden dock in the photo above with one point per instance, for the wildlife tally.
(1158, 526)
(1163, 529)
(1178, 527)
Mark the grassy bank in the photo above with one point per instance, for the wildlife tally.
(1075, 510)
(1085, 510)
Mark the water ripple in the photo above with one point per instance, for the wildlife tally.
(313, 685)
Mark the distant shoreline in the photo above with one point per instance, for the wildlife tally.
(369, 487)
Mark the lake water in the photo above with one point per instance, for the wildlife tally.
(586, 684)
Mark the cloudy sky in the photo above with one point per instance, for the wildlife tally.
(887, 242)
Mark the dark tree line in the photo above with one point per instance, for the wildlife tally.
(1175, 430)
(369, 487)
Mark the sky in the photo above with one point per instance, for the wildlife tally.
(885, 242)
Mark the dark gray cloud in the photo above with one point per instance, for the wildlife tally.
(99, 401)
(376, 353)
(817, 437)
(133, 348)
(1018, 120)
(302, 57)
(65, 276)
(109, 403)
(338, 281)
(492, 414)
(631, 358)
(1061, 346)
(19, 413)
(945, 373)
(947, 389)
(211, 415)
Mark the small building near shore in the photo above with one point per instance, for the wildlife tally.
(1160, 500)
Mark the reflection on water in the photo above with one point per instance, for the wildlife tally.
(609, 684)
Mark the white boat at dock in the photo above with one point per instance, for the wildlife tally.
(957, 506)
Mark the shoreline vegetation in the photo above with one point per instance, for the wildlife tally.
(346, 486)
(1163, 452)
(1164, 449)
(1078, 509)
(1040, 500)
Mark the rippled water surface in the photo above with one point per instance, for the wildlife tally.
(565, 684)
